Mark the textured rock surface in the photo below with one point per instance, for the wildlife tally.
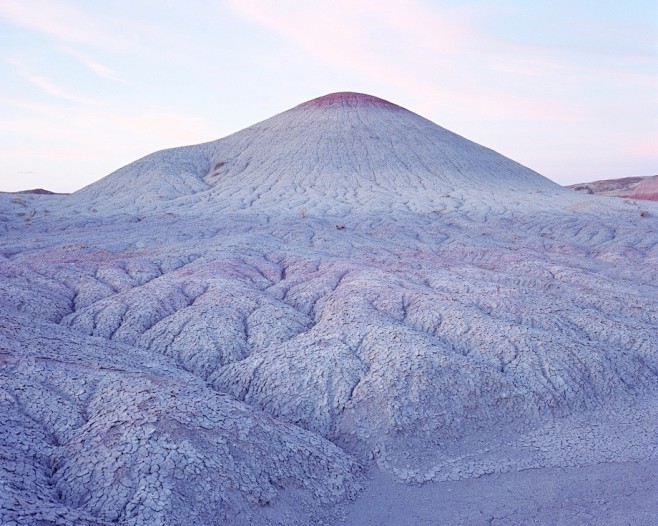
(99, 433)
(178, 347)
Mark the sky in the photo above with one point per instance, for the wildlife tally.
(568, 88)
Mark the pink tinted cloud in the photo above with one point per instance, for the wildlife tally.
(48, 87)
(370, 38)
(117, 126)
(100, 69)
(62, 21)
(345, 33)
(645, 146)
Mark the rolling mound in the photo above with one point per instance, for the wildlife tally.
(332, 153)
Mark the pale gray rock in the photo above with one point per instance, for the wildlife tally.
(95, 433)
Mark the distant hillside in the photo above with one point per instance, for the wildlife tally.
(633, 187)
(36, 191)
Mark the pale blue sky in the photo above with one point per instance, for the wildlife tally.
(568, 88)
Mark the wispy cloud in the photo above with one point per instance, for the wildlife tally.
(100, 69)
(62, 21)
(451, 58)
(102, 127)
(49, 87)
(364, 36)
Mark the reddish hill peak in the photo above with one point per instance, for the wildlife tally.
(348, 98)
(647, 189)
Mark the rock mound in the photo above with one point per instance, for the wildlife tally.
(333, 153)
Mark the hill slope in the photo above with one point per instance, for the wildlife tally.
(336, 152)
